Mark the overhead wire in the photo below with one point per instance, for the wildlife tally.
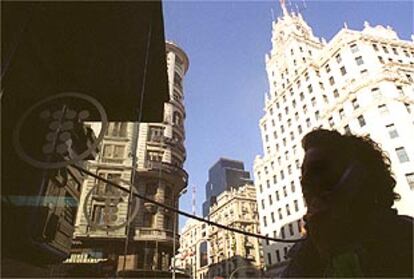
(116, 185)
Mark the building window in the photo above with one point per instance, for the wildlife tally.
(304, 108)
(325, 98)
(327, 68)
(343, 70)
(384, 48)
(402, 155)
(282, 232)
(308, 122)
(296, 115)
(260, 188)
(269, 258)
(296, 205)
(331, 122)
(113, 152)
(354, 48)
(376, 93)
(400, 90)
(347, 129)
(331, 81)
(297, 164)
(117, 129)
(310, 89)
(383, 109)
(270, 200)
(317, 115)
(338, 58)
(294, 104)
(287, 210)
(375, 46)
(302, 96)
(355, 104)
(359, 60)
(410, 180)
(263, 204)
(361, 121)
(277, 196)
(395, 51)
(313, 101)
(392, 131)
(292, 186)
(286, 110)
(282, 174)
(268, 183)
(381, 60)
(291, 232)
(264, 221)
(274, 179)
(98, 215)
(336, 93)
(285, 250)
(272, 216)
(279, 212)
(148, 220)
(407, 107)
(277, 255)
(284, 191)
(341, 113)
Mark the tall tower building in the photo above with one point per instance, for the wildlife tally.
(102, 222)
(222, 176)
(359, 82)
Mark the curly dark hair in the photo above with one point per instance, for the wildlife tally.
(367, 152)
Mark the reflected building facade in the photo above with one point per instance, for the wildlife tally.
(159, 175)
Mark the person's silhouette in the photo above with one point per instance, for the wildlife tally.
(352, 231)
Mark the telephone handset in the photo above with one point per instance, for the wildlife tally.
(349, 185)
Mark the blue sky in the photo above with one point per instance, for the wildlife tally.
(226, 42)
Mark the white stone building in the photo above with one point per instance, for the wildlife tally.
(360, 81)
(193, 253)
(211, 252)
(159, 176)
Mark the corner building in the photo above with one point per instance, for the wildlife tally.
(159, 176)
(359, 82)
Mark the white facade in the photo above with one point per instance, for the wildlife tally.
(225, 252)
(192, 237)
(360, 81)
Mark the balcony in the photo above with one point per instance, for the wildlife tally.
(178, 176)
(178, 104)
(152, 234)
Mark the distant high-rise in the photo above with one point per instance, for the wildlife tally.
(360, 82)
(222, 176)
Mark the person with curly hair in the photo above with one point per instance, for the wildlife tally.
(351, 228)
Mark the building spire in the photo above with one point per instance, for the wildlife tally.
(283, 5)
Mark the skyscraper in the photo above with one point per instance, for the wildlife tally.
(222, 176)
(103, 223)
(359, 82)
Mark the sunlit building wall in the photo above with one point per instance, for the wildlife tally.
(359, 82)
